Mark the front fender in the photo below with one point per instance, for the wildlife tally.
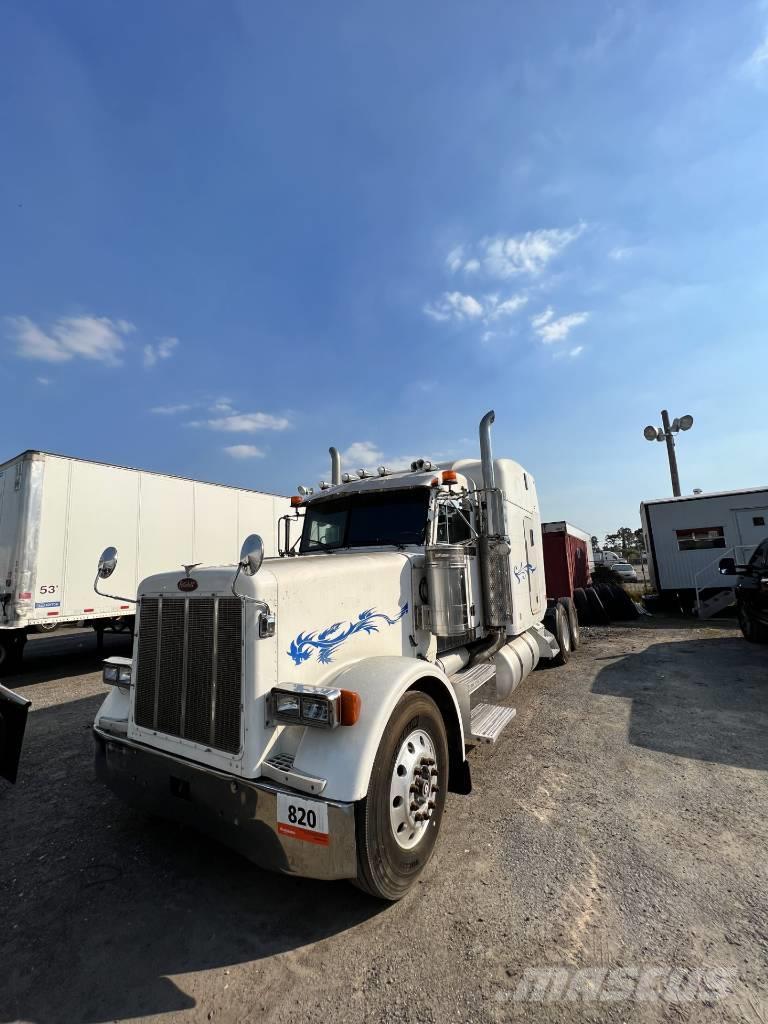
(345, 756)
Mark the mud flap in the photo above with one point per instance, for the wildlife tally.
(13, 722)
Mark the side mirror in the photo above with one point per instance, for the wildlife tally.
(727, 567)
(107, 563)
(252, 554)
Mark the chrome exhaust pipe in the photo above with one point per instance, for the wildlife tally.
(335, 465)
(486, 455)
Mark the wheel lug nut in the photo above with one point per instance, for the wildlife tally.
(431, 805)
(434, 771)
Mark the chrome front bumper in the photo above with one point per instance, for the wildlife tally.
(241, 813)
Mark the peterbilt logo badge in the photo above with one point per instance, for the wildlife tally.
(187, 584)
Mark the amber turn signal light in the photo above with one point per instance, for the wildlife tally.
(450, 476)
(296, 500)
(351, 705)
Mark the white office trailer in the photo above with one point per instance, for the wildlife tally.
(58, 513)
(686, 537)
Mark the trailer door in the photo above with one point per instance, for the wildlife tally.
(752, 524)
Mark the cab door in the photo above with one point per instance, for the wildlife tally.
(753, 592)
(533, 558)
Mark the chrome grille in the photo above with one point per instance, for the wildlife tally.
(189, 671)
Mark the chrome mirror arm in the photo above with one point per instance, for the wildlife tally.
(112, 597)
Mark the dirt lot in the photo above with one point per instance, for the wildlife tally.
(619, 825)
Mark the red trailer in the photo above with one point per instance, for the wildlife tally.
(567, 561)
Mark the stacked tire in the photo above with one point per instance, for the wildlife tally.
(603, 603)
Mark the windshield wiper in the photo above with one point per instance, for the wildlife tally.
(322, 546)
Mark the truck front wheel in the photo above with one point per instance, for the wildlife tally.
(399, 819)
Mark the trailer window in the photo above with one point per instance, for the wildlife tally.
(366, 520)
(700, 537)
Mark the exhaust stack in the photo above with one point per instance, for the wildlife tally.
(335, 465)
(493, 548)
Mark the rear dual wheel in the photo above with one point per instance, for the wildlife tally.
(399, 819)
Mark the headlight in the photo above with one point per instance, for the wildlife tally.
(316, 710)
(323, 707)
(116, 672)
(287, 704)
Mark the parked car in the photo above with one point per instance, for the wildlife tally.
(624, 571)
(751, 593)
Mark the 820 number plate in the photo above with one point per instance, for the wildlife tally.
(302, 819)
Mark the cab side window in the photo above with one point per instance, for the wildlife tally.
(452, 525)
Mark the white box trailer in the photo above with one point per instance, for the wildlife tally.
(58, 513)
(686, 537)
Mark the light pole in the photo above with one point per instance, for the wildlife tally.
(667, 433)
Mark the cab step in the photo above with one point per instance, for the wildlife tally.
(488, 721)
(473, 678)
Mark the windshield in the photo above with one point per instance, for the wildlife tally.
(366, 520)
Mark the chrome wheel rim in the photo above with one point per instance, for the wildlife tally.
(413, 789)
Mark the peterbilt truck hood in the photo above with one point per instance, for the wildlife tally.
(330, 610)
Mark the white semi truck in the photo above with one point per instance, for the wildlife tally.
(313, 710)
(54, 510)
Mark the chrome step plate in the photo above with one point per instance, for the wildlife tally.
(473, 678)
(488, 721)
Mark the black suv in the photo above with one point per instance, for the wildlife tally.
(751, 593)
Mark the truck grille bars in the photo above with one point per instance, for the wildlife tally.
(189, 672)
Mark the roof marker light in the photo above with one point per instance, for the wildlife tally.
(450, 476)
(296, 500)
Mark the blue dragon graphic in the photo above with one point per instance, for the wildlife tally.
(523, 571)
(327, 642)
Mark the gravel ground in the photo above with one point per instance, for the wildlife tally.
(620, 823)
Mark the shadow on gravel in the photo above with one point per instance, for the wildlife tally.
(60, 656)
(100, 906)
(704, 698)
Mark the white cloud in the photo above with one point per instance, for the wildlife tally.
(245, 423)
(170, 410)
(529, 253)
(756, 64)
(472, 266)
(362, 455)
(45, 381)
(495, 309)
(455, 258)
(551, 329)
(576, 351)
(620, 253)
(223, 406)
(542, 318)
(88, 337)
(456, 306)
(162, 350)
(244, 451)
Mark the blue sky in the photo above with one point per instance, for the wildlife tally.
(235, 233)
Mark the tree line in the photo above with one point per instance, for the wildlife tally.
(625, 542)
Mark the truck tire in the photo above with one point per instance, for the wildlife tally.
(573, 621)
(410, 773)
(753, 632)
(582, 607)
(625, 606)
(597, 613)
(46, 627)
(562, 631)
